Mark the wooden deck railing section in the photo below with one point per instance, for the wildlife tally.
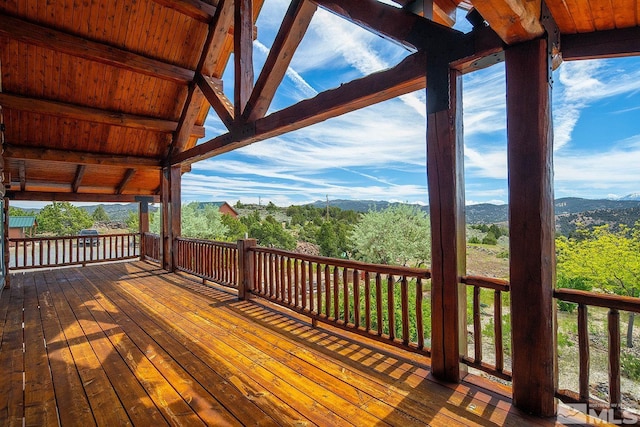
(209, 260)
(477, 361)
(151, 245)
(615, 304)
(46, 252)
(380, 301)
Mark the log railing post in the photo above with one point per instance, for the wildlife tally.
(246, 268)
(445, 175)
(143, 227)
(531, 227)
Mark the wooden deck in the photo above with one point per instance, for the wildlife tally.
(126, 343)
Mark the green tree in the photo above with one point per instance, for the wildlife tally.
(63, 219)
(205, 223)
(13, 211)
(271, 233)
(235, 228)
(100, 214)
(608, 260)
(396, 235)
(132, 222)
(333, 238)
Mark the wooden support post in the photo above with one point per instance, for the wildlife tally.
(246, 268)
(6, 254)
(531, 227)
(143, 226)
(243, 53)
(171, 177)
(445, 173)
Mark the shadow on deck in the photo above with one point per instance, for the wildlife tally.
(128, 343)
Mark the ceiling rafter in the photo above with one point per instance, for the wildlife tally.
(395, 24)
(39, 35)
(71, 111)
(77, 180)
(443, 12)
(601, 44)
(213, 46)
(125, 180)
(513, 20)
(292, 30)
(78, 197)
(78, 157)
(196, 9)
(406, 77)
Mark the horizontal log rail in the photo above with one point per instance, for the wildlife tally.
(151, 247)
(209, 260)
(47, 252)
(498, 286)
(615, 304)
(383, 302)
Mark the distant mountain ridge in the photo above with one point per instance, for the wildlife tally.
(600, 211)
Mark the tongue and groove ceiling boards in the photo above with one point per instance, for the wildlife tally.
(98, 96)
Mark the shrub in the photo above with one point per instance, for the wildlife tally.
(579, 283)
(630, 366)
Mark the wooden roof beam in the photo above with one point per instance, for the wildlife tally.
(443, 12)
(22, 153)
(38, 35)
(196, 9)
(243, 54)
(601, 44)
(78, 178)
(514, 21)
(292, 30)
(71, 111)
(406, 77)
(400, 26)
(77, 197)
(125, 180)
(212, 90)
(213, 47)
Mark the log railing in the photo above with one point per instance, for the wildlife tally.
(383, 302)
(151, 244)
(209, 260)
(615, 304)
(47, 252)
(477, 361)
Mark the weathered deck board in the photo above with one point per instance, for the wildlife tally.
(127, 343)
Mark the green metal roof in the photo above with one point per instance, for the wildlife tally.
(22, 221)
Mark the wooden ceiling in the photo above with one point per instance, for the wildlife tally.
(97, 96)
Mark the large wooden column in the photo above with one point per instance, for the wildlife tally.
(445, 173)
(531, 224)
(171, 178)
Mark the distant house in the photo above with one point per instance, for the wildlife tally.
(22, 226)
(226, 209)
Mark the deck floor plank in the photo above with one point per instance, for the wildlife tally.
(233, 382)
(103, 398)
(337, 396)
(135, 400)
(128, 343)
(12, 360)
(187, 324)
(39, 395)
(66, 379)
(130, 339)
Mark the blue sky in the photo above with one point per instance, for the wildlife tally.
(379, 152)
